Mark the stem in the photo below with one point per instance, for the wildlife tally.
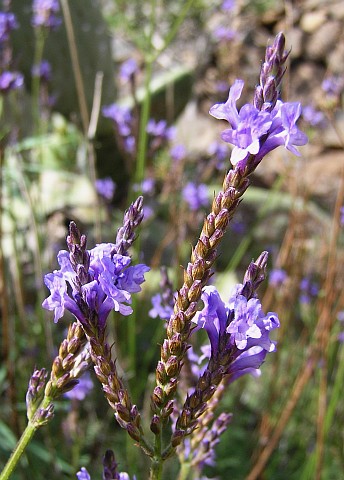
(156, 469)
(18, 451)
(184, 471)
(36, 81)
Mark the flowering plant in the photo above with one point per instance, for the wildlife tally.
(92, 283)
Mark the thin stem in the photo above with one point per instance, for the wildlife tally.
(18, 451)
(36, 80)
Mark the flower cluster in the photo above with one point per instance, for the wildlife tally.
(105, 282)
(257, 132)
(123, 121)
(240, 326)
(196, 196)
(8, 22)
(44, 14)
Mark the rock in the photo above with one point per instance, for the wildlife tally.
(324, 40)
(312, 21)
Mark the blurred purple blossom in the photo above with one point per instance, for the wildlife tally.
(108, 283)
(160, 129)
(221, 152)
(128, 69)
(222, 86)
(342, 215)
(178, 152)
(43, 71)
(121, 116)
(196, 196)
(314, 117)
(105, 187)
(148, 212)
(222, 33)
(249, 125)
(340, 316)
(228, 5)
(10, 81)
(333, 85)
(277, 277)
(44, 14)
(146, 187)
(308, 290)
(8, 22)
(160, 308)
(82, 389)
(83, 474)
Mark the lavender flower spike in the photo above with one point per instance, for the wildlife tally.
(259, 128)
(92, 283)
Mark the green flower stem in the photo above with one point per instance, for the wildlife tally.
(18, 451)
(38, 55)
(23, 442)
(184, 471)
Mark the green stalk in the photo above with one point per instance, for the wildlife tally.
(23, 443)
(36, 81)
(18, 451)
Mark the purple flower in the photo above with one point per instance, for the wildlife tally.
(105, 187)
(82, 389)
(342, 215)
(44, 13)
(8, 22)
(121, 116)
(314, 117)
(160, 129)
(83, 474)
(239, 326)
(250, 126)
(128, 69)
(228, 5)
(43, 71)
(222, 33)
(196, 196)
(340, 316)
(160, 308)
(178, 153)
(146, 187)
(109, 282)
(10, 81)
(333, 86)
(277, 277)
(309, 290)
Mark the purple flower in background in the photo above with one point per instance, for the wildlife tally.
(221, 152)
(314, 117)
(128, 69)
(82, 389)
(250, 125)
(105, 187)
(160, 308)
(11, 81)
(121, 116)
(333, 86)
(43, 71)
(239, 326)
(196, 196)
(8, 22)
(83, 474)
(160, 129)
(277, 277)
(342, 215)
(228, 5)
(44, 13)
(308, 290)
(221, 86)
(178, 153)
(146, 187)
(108, 282)
(222, 33)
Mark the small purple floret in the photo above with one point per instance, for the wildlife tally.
(11, 81)
(8, 22)
(105, 187)
(44, 14)
(256, 132)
